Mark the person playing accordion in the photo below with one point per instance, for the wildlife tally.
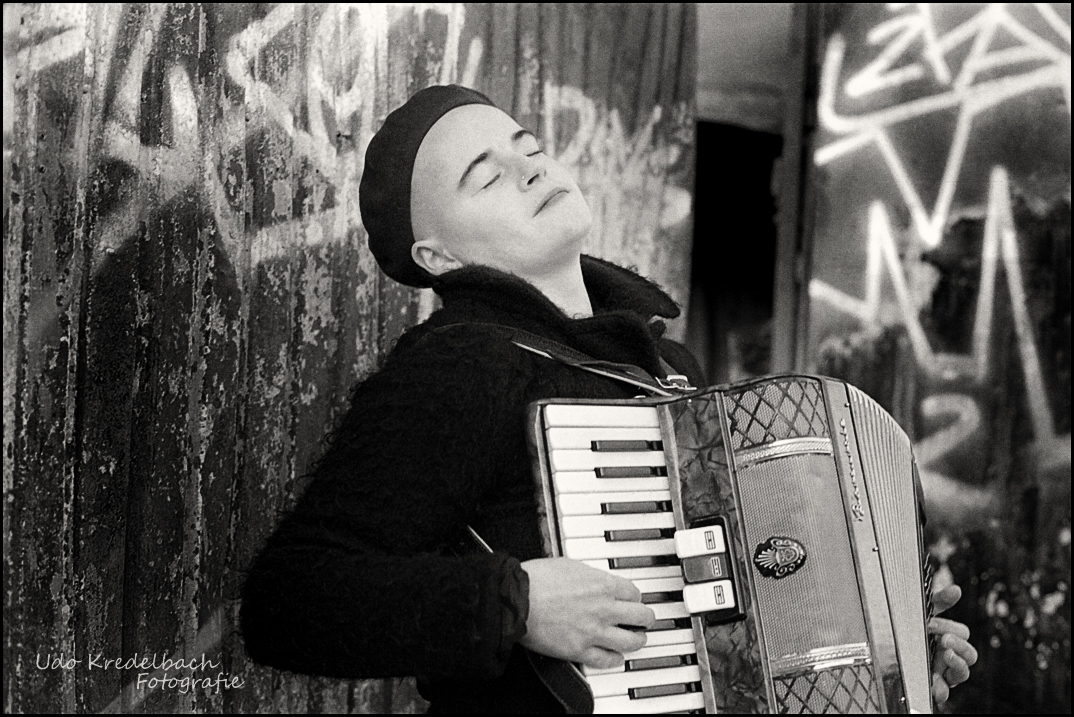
(365, 577)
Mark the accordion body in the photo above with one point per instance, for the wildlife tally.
(775, 528)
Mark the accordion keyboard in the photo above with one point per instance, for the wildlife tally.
(611, 491)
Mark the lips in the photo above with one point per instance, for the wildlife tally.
(556, 191)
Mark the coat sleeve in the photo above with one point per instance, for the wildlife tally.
(359, 580)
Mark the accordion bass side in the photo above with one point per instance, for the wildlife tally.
(773, 526)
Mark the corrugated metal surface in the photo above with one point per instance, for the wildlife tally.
(188, 295)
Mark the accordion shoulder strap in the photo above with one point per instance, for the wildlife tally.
(628, 373)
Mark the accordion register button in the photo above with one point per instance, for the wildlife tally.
(699, 541)
(707, 597)
(703, 568)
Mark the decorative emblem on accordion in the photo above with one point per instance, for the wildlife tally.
(779, 557)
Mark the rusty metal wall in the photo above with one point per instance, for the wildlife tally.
(188, 295)
(940, 284)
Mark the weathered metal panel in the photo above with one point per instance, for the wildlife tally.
(188, 295)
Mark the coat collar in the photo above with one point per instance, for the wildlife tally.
(611, 289)
(625, 326)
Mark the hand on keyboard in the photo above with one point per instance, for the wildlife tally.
(578, 613)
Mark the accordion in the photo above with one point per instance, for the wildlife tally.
(773, 526)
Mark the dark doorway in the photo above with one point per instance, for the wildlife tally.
(734, 255)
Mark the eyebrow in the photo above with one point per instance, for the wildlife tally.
(485, 155)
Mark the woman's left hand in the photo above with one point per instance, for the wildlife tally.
(954, 654)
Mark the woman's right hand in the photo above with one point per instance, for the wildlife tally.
(582, 614)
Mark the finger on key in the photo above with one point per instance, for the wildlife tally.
(620, 640)
(623, 589)
(602, 659)
(634, 614)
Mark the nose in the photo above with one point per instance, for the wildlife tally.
(531, 171)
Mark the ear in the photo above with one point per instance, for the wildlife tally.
(430, 255)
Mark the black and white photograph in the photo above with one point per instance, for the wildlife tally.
(503, 358)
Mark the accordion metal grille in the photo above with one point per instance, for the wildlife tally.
(819, 606)
(776, 410)
(839, 690)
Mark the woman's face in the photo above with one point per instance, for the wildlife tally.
(484, 192)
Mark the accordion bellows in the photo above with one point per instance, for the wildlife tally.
(773, 526)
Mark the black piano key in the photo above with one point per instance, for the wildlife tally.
(679, 624)
(625, 446)
(638, 693)
(663, 506)
(613, 536)
(653, 598)
(630, 471)
(643, 561)
(655, 663)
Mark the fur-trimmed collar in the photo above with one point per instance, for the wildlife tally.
(611, 289)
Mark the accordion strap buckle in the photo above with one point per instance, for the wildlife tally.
(675, 382)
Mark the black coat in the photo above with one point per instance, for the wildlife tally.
(364, 577)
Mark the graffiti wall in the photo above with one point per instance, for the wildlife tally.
(188, 295)
(941, 285)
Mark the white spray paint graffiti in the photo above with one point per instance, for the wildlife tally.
(1033, 64)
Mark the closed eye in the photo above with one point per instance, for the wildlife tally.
(491, 181)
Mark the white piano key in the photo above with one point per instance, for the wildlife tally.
(622, 704)
(558, 438)
(678, 636)
(646, 653)
(592, 548)
(592, 526)
(656, 571)
(618, 684)
(669, 610)
(583, 460)
(589, 503)
(650, 651)
(600, 415)
(660, 585)
(587, 482)
(601, 548)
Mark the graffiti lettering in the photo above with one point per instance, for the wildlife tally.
(1034, 64)
(960, 93)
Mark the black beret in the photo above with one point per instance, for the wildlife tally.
(384, 192)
